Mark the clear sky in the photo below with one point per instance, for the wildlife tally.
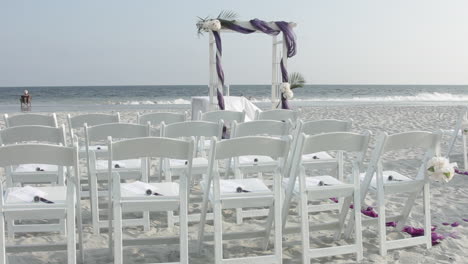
(123, 42)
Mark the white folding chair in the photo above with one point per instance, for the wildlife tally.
(154, 196)
(461, 129)
(33, 173)
(278, 115)
(77, 122)
(30, 119)
(394, 181)
(175, 167)
(98, 166)
(324, 158)
(18, 204)
(244, 193)
(245, 165)
(156, 118)
(318, 187)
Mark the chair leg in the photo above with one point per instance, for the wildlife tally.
(184, 250)
(239, 215)
(170, 214)
(358, 225)
(381, 220)
(304, 227)
(201, 231)
(71, 235)
(278, 230)
(343, 213)
(118, 247)
(94, 201)
(269, 224)
(218, 232)
(3, 256)
(427, 215)
(79, 223)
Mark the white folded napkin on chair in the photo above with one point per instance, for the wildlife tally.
(27, 193)
(138, 187)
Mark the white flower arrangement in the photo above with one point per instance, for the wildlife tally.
(285, 89)
(440, 169)
(212, 24)
(288, 94)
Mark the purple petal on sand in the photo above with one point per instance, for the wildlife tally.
(413, 231)
(436, 238)
(334, 199)
(455, 224)
(445, 223)
(369, 211)
(351, 206)
(465, 219)
(393, 224)
(433, 228)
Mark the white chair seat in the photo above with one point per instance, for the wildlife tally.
(397, 178)
(56, 194)
(166, 189)
(122, 164)
(196, 162)
(312, 183)
(34, 168)
(229, 187)
(318, 156)
(256, 160)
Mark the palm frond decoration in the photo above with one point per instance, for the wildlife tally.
(296, 80)
(227, 17)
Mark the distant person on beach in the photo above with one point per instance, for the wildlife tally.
(26, 99)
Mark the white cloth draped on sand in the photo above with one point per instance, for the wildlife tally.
(232, 103)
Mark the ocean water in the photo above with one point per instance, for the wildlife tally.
(92, 98)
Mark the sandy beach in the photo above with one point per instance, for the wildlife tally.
(448, 204)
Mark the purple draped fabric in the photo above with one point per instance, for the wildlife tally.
(289, 37)
(219, 69)
(263, 27)
(285, 78)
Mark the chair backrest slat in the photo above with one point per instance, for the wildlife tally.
(156, 118)
(253, 145)
(151, 147)
(18, 134)
(324, 126)
(227, 116)
(192, 129)
(37, 153)
(337, 141)
(92, 119)
(115, 130)
(261, 127)
(30, 119)
(413, 139)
